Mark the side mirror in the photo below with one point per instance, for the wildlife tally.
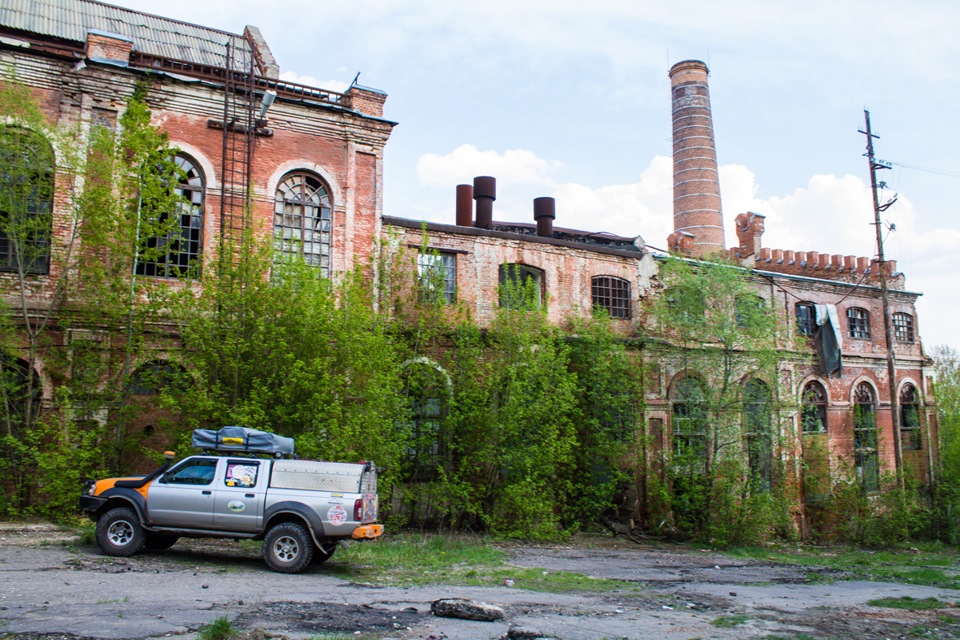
(169, 456)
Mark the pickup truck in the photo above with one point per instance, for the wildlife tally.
(300, 509)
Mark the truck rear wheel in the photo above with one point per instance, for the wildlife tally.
(119, 533)
(288, 548)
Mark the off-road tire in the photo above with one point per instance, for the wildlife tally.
(119, 533)
(321, 554)
(288, 548)
(159, 541)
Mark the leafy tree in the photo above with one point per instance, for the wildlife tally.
(947, 495)
(109, 187)
(721, 338)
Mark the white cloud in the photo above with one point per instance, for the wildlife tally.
(311, 81)
(514, 166)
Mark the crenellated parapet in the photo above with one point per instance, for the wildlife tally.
(811, 264)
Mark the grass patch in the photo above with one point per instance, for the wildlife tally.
(725, 622)
(411, 560)
(219, 629)
(930, 564)
(910, 604)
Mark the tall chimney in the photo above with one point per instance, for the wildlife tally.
(696, 182)
(464, 205)
(484, 192)
(544, 212)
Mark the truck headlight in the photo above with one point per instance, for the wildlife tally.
(89, 487)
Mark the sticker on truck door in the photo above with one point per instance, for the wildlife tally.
(236, 506)
(337, 515)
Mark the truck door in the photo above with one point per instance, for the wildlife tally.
(183, 496)
(238, 497)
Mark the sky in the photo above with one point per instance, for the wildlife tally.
(572, 100)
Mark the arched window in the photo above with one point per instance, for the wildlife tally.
(690, 419)
(748, 309)
(302, 219)
(858, 323)
(176, 254)
(910, 439)
(903, 328)
(26, 200)
(814, 408)
(521, 286)
(806, 318)
(20, 390)
(427, 391)
(757, 429)
(611, 294)
(865, 437)
(155, 377)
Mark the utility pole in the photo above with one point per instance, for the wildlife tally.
(887, 327)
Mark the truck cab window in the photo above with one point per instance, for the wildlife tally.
(193, 471)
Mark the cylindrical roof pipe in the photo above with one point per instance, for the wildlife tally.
(484, 192)
(464, 205)
(544, 212)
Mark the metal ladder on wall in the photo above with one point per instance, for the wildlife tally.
(239, 130)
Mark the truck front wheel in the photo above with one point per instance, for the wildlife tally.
(119, 533)
(288, 548)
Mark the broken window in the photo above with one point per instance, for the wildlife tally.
(521, 286)
(858, 323)
(865, 437)
(437, 276)
(690, 419)
(748, 309)
(26, 200)
(910, 439)
(611, 294)
(177, 253)
(757, 428)
(427, 390)
(302, 219)
(18, 393)
(903, 327)
(806, 318)
(814, 408)
(156, 377)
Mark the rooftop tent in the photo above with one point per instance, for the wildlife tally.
(242, 440)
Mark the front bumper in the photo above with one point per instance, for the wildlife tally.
(91, 504)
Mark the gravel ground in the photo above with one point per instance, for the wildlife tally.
(51, 588)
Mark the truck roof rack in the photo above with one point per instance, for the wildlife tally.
(242, 440)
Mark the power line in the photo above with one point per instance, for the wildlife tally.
(916, 167)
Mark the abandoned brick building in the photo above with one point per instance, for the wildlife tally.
(311, 162)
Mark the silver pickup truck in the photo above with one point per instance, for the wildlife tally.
(299, 508)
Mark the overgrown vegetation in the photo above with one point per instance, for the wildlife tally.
(409, 560)
(518, 427)
(724, 480)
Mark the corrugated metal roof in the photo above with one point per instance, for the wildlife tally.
(151, 35)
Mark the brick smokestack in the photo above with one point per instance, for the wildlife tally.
(696, 182)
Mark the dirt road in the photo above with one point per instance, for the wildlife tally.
(48, 589)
